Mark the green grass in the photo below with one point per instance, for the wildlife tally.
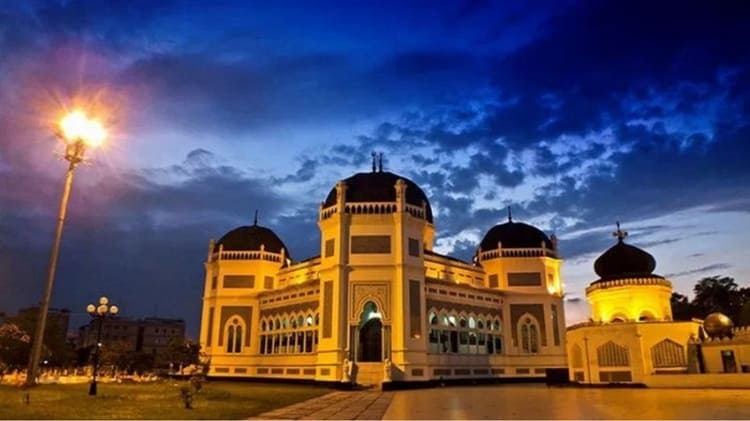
(159, 400)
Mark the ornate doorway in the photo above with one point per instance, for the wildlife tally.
(370, 347)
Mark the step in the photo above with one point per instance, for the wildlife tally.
(369, 373)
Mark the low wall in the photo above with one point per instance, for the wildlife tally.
(699, 381)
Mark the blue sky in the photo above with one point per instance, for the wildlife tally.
(577, 114)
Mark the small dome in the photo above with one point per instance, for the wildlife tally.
(625, 261)
(717, 325)
(515, 235)
(379, 187)
(250, 238)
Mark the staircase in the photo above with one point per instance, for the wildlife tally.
(369, 374)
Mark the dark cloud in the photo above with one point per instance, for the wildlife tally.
(701, 270)
(128, 234)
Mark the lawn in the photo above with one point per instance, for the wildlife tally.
(159, 400)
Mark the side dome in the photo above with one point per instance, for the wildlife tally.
(625, 261)
(251, 238)
(717, 325)
(379, 187)
(515, 235)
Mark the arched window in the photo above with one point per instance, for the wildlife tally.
(612, 355)
(529, 328)
(646, 316)
(668, 353)
(234, 336)
(434, 333)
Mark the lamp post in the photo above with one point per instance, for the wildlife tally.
(78, 132)
(99, 313)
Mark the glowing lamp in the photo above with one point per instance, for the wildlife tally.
(77, 127)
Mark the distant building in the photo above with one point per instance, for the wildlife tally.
(60, 317)
(150, 335)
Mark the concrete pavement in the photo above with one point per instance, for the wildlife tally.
(350, 405)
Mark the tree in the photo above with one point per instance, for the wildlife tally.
(55, 348)
(682, 308)
(117, 354)
(179, 351)
(744, 317)
(14, 347)
(718, 294)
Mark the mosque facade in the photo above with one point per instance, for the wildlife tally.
(378, 303)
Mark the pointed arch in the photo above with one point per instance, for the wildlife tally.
(646, 316)
(528, 325)
(668, 353)
(234, 329)
(612, 355)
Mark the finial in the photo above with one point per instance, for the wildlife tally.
(510, 215)
(373, 154)
(255, 221)
(620, 234)
(381, 161)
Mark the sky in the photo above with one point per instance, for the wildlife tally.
(577, 114)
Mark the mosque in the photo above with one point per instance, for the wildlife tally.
(379, 304)
(632, 338)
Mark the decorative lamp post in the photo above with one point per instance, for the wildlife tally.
(78, 132)
(99, 312)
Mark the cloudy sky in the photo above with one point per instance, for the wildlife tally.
(576, 114)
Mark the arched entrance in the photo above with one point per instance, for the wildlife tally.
(370, 347)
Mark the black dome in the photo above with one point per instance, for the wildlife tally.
(250, 238)
(379, 187)
(514, 235)
(625, 261)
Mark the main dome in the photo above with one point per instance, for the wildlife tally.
(514, 235)
(379, 187)
(251, 238)
(625, 261)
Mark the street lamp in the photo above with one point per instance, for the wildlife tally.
(78, 132)
(99, 312)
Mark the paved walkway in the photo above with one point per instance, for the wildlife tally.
(359, 405)
(540, 402)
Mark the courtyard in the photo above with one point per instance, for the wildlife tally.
(542, 402)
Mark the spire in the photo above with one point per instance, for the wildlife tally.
(373, 154)
(620, 234)
(255, 221)
(380, 166)
(510, 215)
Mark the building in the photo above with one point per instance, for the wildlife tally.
(57, 317)
(151, 335)
(379, 303)
(631, 337)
